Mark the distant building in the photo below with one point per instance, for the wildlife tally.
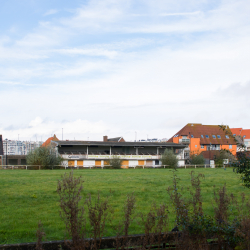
(199, 138)
(15, 151)
(20, 147)
(244, 135)
(97, 153)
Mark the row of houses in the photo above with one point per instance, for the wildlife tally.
(194, 138)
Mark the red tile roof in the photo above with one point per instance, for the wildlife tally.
(236, 131)
(48, 141)
(245, 133)
(197, 129)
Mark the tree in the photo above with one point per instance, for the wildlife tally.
(115, 162)
(242, 167)
(197, 159)
(45, 157)
(169, 158)
(222, 155)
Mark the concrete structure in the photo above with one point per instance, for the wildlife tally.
(199, 138)
(97, 153)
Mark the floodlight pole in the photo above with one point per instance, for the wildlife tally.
(209, 155)
(6, 152)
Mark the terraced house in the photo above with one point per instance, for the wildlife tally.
(97, 153)
(199, 138)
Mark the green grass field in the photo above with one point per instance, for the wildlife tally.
(29, 196)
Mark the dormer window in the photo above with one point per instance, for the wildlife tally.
(207, 136)
(192, 136)
(227, 136)
(218, 136)
(214, 137)
(202, 136)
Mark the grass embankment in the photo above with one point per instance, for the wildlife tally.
(29, 196)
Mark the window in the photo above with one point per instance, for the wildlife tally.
(230, 146)
(244, 136)
(214, 137)
(192, 136)
(218, 136)
(234, 134)
(227, 136)
(196, 146)
(207, 136)
(202, 146)
(202, 136)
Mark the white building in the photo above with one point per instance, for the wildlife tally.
(20, 147)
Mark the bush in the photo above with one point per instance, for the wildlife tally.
(224, 154)
(115, 162)
(45, 157)
(242, 167)
(197, 159)
(169, 158)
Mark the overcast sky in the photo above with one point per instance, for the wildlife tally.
(126, 68)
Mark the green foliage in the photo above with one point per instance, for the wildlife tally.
(222, 155)
(197, 159)
(169, 158)
(43, 156)
(115, 162)
(242, 167)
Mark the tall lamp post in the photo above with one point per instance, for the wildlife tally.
(209, 155)
(6, 152)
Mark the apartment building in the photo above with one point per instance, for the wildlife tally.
(15, 147)
(199, 138)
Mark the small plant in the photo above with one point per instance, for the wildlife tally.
(69, 190)
(98, 213)
(40, 235)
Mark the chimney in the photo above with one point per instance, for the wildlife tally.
(105, 138)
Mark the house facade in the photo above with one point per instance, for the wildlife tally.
(97, 153)
(199, 138)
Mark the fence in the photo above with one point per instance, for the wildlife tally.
(167, 241)
(37, 167)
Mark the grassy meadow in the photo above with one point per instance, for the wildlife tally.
(29, 196)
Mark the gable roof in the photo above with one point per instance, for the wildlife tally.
(48, 141)
(197, 129)
(117, 139)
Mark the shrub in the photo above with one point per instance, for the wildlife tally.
(242, 167)
(45, 157)
(222, 155)
(197, 159)
(115, 162)
(169, 158)
(69, 190)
